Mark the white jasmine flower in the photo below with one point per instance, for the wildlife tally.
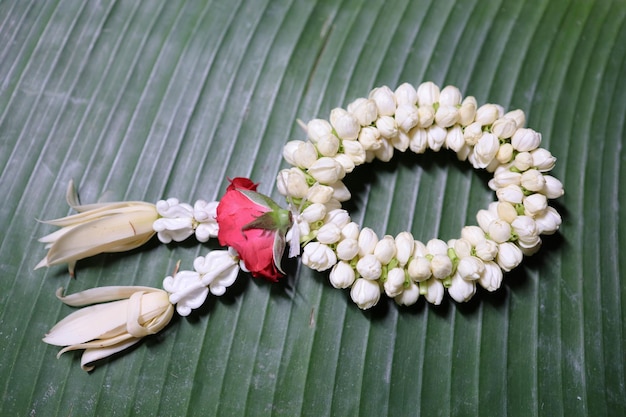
(347, 249)
(533, 180)
(369, 138)
(461, 290)
(385, 152)
(473, 234)
(342, 275)
(385, 249)
(408, 296)
(326, 146)
(470, 268)
(499, 231)
(401, 141)
(548, 222)
(319, 193)
(340, 191)
(543, 161)
(345, 124)
(455, 139)
(313, 213)
(487, 250)
(509, 256)
(485, 150)
(525, 140)
(418, 140)
(419, 269)
(434, 291)
(485, 218)
(523, 161)
(505, 153)
(405, 244)
(204, 214)
(506, 211)
(369, 267)
(491, 279)
(487, 114)
(406, 117)
(317, 128)
(97, 228)
(318, 256)
(292, 182)
(446, 116)
(301, 154)
(364, 110)
(351, 231)
(450, 96)
(427, 94)
(355, 151)
(504, 127)
(518, 116)
(387, 127)
(345, 161)
(462, 247)
(328, 234)
(340, 217)
(472, 133)
(503, 177)
(365, 293)
(441, 266)
(535, 204)
(127, 315)
(552, 188)
(436, 137)
(426, 116)
(526, 230)
(467, 111)
(394, 285)
(511, 193)
(326, 170)
(176, 221)
(406, 95)
(437, 247)
(385, 101)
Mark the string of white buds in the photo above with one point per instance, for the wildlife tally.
(178, 220)
(419, 119)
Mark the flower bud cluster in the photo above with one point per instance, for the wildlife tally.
(418, 119)
(178, 220)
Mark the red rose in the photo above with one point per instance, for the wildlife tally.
(254, 226)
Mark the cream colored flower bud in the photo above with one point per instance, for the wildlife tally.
(509, 256)
(365, 293)
(505, 153)
(351, 231)
(369, 138)
(499, 231)
(436, 137)
(518, 116)
(318, 256)
(385, 152)
(326, 170)
(347, 249)
(487, 114)
(404, 247)
(510, 193)
(473, 234)
(367, 241)
(533, 180)
(503, 177)
(441, 266)
(472, 133)
(317, 128)
(552, 188)
(327, 145)
(300, 154)
(523, 161)
(406, 117)
(345, 124)
(491, 279)
(394, 285)
(525, 140)
(454, 138)
(387, 127)
(328, 234)
(548, 222)
(461, 290)
(535, 204)
(506, 211)
(470, 268)
(526, 230)
(332, 204)
(543, 161)
(369, 267)
(313, 213)
(467, 111)
(292, 182)
(342, 275)
(446, 116)
(434, 291)
(364, 110)
(427, 94)
(504, 127)
(345, 161)
(401, 141)
(426, 116)
(419, 269)
(485, 150)
(355, 151)
(450, 96)
(462, 247)
(340, 191)
(385, 101)
(408, 296)
(406, 94)
(385, 249)
(420, 249)
(418, 140)
(485, 218)
(437, 247)
(487, 250)
(289, 149)
(339, 217)
(319, 193)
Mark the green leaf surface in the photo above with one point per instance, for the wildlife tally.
(169, 98)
